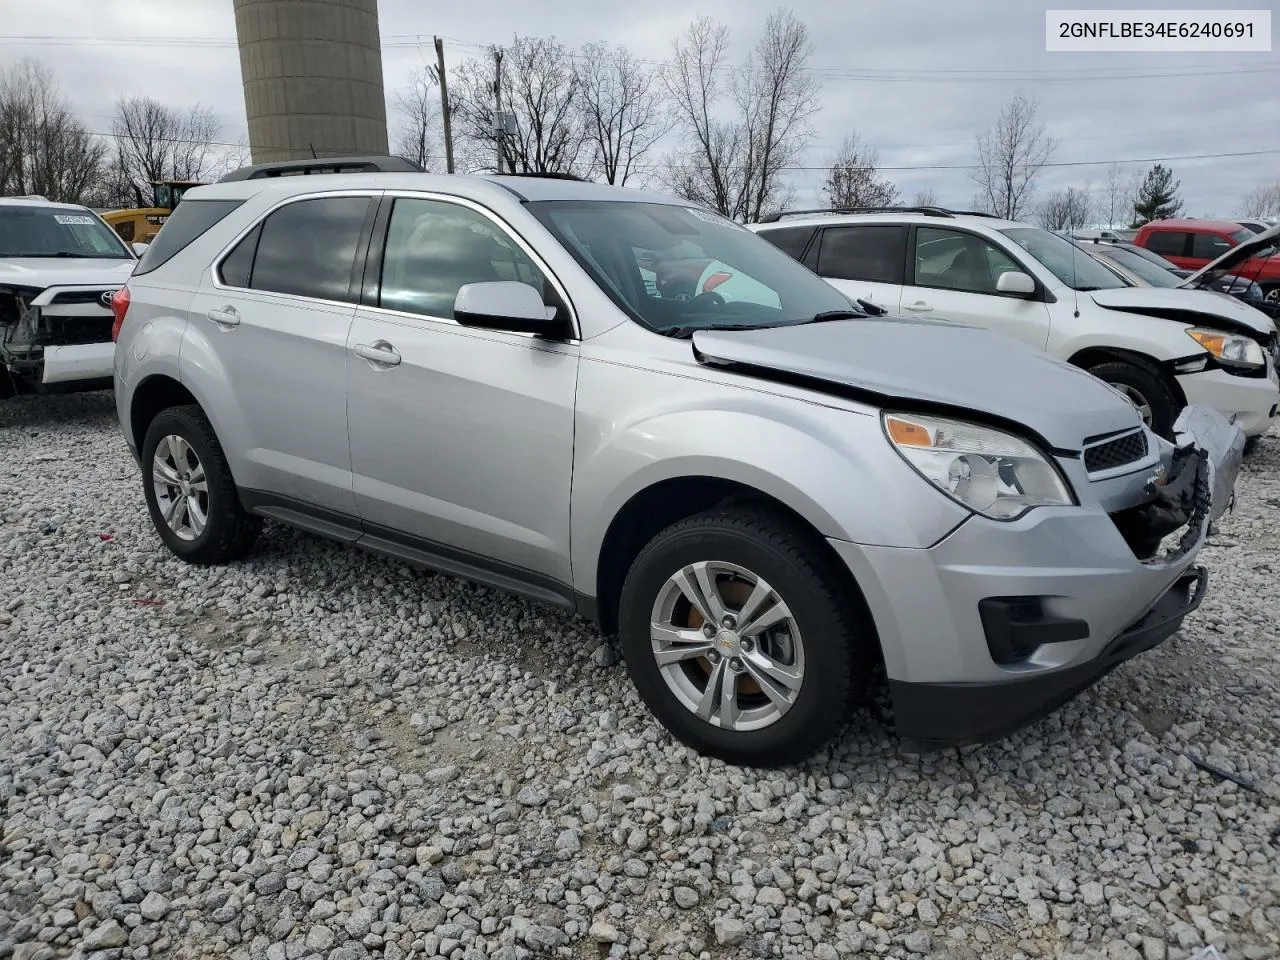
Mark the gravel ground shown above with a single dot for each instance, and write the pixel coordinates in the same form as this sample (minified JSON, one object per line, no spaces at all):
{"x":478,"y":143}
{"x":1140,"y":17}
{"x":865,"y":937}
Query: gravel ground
{"x":321,"y":754}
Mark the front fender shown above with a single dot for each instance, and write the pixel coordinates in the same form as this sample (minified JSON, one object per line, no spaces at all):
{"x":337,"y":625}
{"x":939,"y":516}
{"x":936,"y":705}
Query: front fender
{"x":1161,"y":340}
{"x":831,"y":465}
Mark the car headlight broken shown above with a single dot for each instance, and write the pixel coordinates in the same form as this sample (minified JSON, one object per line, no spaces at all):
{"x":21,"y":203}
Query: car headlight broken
{"x":989,"y":471}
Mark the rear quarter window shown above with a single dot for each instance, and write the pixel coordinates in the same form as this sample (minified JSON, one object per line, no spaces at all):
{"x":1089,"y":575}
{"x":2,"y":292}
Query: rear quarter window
{"x":189,"y":220}
{"x":790,"y":240}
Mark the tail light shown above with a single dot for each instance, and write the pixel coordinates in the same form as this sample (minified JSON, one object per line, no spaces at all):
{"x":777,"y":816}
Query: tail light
{"x":119,"y":307}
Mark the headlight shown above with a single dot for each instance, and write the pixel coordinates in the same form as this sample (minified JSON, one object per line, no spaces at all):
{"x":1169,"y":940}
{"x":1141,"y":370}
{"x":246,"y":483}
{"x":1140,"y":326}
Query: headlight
{"x":991,"y":472}
{"x":1229,"y":347}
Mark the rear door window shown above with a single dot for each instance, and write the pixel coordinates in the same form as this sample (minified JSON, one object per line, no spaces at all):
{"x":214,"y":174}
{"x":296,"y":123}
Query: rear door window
{"x":1167,"y":243}
{"x":189,"y":221}
{"x":877,"y":253}
{"x":308,"y":248}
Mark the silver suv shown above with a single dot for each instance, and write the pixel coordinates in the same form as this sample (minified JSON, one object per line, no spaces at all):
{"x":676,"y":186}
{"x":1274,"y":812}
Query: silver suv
{"x":628,"y":406}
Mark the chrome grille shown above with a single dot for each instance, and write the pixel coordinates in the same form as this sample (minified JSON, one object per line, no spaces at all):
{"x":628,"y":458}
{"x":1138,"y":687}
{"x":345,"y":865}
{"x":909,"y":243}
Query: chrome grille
{"x":1116,"y":452}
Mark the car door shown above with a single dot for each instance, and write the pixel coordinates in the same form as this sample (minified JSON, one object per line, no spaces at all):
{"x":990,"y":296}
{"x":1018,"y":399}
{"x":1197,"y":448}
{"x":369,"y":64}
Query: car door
{"x":865,"y":261}
{"x":275,"y":315}
{"x":461,"y":438}
{"x":953,"y":276}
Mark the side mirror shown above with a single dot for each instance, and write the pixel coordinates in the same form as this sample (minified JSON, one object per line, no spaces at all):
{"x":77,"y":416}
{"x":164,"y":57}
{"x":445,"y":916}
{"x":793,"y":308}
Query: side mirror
{"x":1016,"y":283}
{"x":138,"y":248}
{"x":505,"y":305}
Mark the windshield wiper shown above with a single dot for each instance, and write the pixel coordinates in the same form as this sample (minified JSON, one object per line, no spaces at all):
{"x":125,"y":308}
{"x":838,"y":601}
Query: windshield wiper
{"x":684,"y":333}
{"x":827,"y":315}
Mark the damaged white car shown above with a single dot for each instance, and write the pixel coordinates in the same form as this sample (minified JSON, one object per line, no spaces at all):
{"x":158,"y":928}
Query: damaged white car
{"x":60,"y":265}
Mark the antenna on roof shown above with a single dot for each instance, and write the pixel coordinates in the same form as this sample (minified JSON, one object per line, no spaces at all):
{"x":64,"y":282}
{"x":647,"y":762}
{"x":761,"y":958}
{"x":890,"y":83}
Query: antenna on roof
{"x":313,"y":150}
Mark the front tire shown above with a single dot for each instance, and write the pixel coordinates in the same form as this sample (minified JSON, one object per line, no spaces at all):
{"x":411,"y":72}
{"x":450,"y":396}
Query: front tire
{"x":741,"y":637}
{"x":1148,"y":391}
{"x":189,"y":490}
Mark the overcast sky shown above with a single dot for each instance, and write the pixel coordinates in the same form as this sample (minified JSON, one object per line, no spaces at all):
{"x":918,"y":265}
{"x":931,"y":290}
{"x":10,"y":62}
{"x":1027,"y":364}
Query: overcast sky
{"x":963,"y":60}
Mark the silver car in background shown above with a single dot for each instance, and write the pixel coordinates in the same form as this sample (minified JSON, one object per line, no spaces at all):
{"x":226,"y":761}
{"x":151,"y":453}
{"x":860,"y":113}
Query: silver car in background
{"x":628,"y":406}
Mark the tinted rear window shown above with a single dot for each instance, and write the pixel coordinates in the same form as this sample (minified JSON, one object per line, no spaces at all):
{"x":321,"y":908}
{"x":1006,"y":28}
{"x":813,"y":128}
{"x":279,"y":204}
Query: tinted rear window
{"x":790,"y":240}
{"x":308,"y":248}
{"x":1167,"y":243}
{"x":876,"y":253}
{"x":189,"y":220}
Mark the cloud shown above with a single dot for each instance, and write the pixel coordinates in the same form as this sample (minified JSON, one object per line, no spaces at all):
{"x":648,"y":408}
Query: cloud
{"x":916,"y":78}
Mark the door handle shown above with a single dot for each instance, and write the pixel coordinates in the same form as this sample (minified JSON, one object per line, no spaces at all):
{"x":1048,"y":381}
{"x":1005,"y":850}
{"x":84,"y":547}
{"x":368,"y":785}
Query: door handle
{"x":226,"y":317}
{"x":918,"y":307}
{"x":379,"y":352}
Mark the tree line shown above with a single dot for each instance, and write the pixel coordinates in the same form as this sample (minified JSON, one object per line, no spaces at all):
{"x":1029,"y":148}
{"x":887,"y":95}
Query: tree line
{"x":718,"y":129}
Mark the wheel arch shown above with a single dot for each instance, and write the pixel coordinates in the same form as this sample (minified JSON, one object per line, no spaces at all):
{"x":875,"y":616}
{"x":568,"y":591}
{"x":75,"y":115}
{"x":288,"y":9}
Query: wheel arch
{"x":1093,"y":356}
{"x":657,"y":506}
{"x":152,"y":396}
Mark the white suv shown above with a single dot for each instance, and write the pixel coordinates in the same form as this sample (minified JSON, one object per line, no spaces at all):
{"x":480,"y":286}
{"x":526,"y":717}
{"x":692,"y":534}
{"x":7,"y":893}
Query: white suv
{"x":60,"y":264}
{"x":1162,"y":348}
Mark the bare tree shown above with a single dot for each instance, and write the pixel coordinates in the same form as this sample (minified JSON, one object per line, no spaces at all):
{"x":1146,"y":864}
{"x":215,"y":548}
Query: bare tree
{"x":1262,"y":201}
{"x":1067,"y":209}
{"x":854,"y":179}
{"x":1116,"y":204}
{"x":925,"y":198}
{"x":622,"y":111}
{"x":737,"y":166}
{"x":157,"y":142}
{"x":1010,"y":156}
{"x":418,"y":110}
{"x":540,"y":87}
{"x":44,"y":149}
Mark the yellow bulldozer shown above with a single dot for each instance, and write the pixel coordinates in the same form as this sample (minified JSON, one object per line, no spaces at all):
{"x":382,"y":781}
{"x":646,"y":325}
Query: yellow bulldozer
{"x":141,"y":225}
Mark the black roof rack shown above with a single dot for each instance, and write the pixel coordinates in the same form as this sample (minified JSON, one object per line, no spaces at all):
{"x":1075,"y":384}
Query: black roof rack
{"x":293,"y":168}
{"x":546,"y":175}
{"x":927,"y":211}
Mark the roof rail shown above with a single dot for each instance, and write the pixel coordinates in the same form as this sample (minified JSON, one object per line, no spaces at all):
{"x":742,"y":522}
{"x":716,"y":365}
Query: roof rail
{"x":927,"y":211}
{"x":292,"y":168}
{"x":28,"y":196}
{"x":547,"y":175}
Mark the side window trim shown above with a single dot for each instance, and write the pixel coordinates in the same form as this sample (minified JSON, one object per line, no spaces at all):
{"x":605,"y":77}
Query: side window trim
{"x":258,"y":221}
{"x":377,"y":256}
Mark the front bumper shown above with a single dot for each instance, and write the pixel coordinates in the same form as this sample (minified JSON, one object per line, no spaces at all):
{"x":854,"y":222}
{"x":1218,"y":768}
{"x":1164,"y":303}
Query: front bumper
{"x":1001,"y":622}
{"x":1249,"y":402}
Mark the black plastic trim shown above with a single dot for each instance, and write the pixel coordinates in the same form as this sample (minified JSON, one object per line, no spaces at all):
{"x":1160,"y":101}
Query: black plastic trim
{"x":953,"y":714}
{"x":416,"y":551}
{"x":1018,"y":626}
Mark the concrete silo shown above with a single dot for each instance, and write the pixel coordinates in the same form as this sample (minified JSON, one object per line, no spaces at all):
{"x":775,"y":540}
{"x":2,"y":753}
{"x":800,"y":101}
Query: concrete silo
{"x":312,"y":73}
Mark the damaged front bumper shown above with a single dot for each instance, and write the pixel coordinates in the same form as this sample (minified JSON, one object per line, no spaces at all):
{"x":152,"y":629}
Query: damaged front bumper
{"x":60,"y":339}
{"x":1002,"y":622}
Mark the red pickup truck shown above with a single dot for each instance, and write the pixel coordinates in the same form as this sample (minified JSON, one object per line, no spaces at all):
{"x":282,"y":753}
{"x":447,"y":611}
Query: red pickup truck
{"x":1194,"y":244}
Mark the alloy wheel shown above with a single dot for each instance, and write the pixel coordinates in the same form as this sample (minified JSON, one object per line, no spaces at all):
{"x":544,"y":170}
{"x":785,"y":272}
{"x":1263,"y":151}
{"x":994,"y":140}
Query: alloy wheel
{"x":181,"y":488}
{"x":1135,"y":397}
{"x":727,"y":645}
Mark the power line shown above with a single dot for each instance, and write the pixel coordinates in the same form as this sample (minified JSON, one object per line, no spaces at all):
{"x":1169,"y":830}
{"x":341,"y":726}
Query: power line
{"x":823,"y":167}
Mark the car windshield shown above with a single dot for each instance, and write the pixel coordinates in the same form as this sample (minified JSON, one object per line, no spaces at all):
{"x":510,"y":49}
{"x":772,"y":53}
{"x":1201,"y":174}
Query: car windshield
{"x":1142,"y":268}
{"x":677,"y":269}
{"x":1064,"y":259}
{"x":57,"y":232}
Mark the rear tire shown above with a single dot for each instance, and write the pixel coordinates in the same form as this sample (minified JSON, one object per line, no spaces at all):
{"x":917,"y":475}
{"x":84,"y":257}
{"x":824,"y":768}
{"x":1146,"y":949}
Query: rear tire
{"x":1145,"y":388}
{"x":189,"y":490}
{"x":819,"y":645}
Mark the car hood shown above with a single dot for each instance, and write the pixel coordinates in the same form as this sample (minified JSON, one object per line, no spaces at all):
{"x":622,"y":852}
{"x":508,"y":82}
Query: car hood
{"x":1265,"y":244}
{"x":1198,"y":307}
{"x":52,"y":271}
{"x":955,"y":369}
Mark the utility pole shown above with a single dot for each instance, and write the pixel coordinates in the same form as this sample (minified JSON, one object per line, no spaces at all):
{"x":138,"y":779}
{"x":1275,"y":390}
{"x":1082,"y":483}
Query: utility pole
{"x":499,"y":127}
{"x":444,"y":106}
